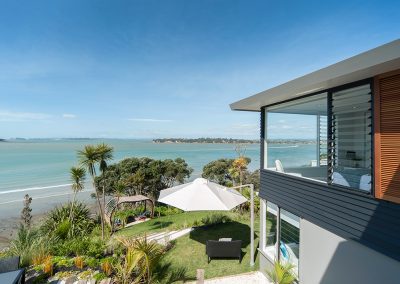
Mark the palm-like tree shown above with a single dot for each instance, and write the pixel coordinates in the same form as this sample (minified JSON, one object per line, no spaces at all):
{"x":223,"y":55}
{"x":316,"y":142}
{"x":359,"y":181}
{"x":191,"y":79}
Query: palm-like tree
{"x":88,"y":158}
{"x":105,"y":154}
{"x":78,"y":176}
{"x":119,"y":190}
{"x":143,"y":255}
{"x":282,"y":273}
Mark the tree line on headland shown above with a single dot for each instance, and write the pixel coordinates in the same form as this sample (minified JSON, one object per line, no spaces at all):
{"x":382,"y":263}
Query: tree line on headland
{"x":234,"y":141}
{"x":206,"y":140}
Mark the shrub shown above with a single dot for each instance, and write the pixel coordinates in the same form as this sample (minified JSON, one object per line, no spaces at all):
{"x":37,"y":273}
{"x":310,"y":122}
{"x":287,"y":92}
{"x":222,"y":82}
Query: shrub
{"x":40,"y":253}
{"x":92,"y":262}
{"x":196,"y":223}
{"x":64,"y":274}
{"x":282,"y":273}
{"x":61,"y":261}
{"x":95,"y":247}
{"x":48,"y":265}
{"x":79,"y":263}
{"x":38,"y":259}
{"x":25,"y":244}
{"x":57,"y":221}
{"x":141,"y":260}
{"x":85,"y":275}
{"x":63,"y":229}
{"x":72,"y":247}
{"x":89,"y":246}
{"x":215,"y":219}
{"x":99,"y":276}
{"x":166,"y":210}
{"x":106,"y":267}
{"x":246,"y":206}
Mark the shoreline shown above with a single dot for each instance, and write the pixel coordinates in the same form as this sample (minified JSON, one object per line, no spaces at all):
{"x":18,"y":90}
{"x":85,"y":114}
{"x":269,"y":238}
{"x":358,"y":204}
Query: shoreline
{"x":41,"y":204}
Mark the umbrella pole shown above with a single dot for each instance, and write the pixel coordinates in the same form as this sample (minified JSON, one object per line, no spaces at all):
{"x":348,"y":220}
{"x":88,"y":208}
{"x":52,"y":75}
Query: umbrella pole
{"x":251,"y":186}
{"x":252,"y":225}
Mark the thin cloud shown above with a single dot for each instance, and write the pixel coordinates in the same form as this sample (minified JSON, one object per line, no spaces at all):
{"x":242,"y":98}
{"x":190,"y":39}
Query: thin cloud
{"x":11,"y":116}
{"x":149,"y":120}
{"x":68,"y":115}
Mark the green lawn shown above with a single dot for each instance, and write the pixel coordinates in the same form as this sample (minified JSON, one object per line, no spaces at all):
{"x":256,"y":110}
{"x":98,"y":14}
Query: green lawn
{"x":166,"y":223}
{"x":188,"y":251}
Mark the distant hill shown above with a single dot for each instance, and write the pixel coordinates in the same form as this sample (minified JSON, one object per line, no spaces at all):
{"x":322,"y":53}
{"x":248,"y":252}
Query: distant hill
{"x":206,"y":140}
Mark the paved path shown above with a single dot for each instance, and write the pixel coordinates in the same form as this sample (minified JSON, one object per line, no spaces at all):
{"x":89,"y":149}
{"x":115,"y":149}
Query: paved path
{"x":164,"y":237}
{"x":246,"y":278}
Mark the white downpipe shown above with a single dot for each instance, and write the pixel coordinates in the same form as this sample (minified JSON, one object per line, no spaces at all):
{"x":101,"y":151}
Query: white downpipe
{"x":263,"y":214}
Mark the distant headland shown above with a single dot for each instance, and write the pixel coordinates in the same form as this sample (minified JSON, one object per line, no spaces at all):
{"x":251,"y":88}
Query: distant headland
{"x":233,"y":141}
{"x":206,"y":140}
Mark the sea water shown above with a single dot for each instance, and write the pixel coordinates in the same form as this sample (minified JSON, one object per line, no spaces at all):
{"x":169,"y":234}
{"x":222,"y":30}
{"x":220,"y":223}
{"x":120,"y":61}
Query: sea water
{"x":40,"y":167}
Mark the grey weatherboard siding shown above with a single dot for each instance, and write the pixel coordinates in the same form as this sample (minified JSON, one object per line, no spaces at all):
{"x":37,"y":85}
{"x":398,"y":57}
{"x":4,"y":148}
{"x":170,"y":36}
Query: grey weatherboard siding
{"x":351,"y":215}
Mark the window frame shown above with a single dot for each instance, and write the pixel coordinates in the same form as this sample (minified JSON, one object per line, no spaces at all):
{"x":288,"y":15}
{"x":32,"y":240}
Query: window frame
{"x":329,"y":92}
{"x":277,"y":253}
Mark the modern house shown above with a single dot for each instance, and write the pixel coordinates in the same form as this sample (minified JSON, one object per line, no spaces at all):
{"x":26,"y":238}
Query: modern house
{"x":330,"y":170}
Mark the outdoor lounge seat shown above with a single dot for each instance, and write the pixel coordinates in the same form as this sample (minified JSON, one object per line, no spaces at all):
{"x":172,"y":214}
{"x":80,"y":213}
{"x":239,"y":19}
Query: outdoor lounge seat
{"x":9,"y":264}
{"x":224,"y":249}
{"x":10,"y":271}
{"x":143,"y":216}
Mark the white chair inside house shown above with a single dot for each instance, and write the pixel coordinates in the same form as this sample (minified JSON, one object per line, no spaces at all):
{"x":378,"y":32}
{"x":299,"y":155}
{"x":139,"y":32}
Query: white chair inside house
{"x":365,"y":182}
{"x":279,"y":168}
{"x":339,"y":179}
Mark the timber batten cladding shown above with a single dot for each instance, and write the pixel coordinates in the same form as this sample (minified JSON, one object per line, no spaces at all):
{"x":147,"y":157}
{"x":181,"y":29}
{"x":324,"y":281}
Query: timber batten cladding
{"x":387,"y":136}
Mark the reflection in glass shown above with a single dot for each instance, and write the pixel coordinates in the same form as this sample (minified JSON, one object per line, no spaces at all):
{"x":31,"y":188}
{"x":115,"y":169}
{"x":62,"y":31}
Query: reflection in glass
{"x":296,"y":137}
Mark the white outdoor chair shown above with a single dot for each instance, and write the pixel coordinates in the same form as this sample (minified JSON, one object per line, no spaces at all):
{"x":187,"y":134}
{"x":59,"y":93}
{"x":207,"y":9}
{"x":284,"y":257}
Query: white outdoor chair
{"x":279,"y":168}
{"x":365,"y":183}
{"x":339,"y":179}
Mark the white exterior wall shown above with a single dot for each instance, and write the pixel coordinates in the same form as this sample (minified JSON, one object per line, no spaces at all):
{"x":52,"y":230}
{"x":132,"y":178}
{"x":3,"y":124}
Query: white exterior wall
{"x":329,"y":259}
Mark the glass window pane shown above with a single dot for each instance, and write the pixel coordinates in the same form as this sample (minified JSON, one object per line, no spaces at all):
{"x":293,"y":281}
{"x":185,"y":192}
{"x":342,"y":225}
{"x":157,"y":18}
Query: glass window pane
{"x":296,"y":137}
{"x":351,"y":138}
{"x":270,"y":234}
{"x":290,"y":239}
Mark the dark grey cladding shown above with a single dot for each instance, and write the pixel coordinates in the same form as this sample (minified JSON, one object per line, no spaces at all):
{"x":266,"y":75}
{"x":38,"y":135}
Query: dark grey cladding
{"x":345,"y":212}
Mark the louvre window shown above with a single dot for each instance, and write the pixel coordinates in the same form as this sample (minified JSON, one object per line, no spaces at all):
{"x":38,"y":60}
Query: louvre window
{"x":350,"y":142}
{"x":325,"y":137}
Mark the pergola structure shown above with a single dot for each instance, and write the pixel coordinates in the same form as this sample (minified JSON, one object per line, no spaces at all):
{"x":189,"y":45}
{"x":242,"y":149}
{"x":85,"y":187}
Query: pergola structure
{"x":114,"y":202}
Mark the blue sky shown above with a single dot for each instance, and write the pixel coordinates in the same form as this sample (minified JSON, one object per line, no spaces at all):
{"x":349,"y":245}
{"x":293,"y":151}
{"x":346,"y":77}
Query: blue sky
{"x":143,"y":69}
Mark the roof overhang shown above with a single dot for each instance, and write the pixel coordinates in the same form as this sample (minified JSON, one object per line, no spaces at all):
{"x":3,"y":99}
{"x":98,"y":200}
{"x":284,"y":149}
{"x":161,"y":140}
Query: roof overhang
{"x":376,"y":61}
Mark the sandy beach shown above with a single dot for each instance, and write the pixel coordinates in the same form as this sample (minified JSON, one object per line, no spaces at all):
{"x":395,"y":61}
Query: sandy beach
{"x":9,"y":227}
{"x":42,"y":201}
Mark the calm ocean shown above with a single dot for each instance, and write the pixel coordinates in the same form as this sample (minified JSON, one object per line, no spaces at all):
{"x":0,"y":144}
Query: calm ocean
{"x":41,"y":167}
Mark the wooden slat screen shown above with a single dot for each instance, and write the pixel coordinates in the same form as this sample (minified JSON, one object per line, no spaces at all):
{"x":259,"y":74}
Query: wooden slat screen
{"x":387,"y":137}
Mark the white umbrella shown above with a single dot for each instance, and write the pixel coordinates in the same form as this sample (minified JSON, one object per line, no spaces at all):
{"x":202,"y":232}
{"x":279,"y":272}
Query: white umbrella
{"x":201,"y":195}
{"x":204,"y":195}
